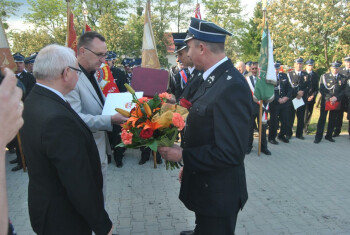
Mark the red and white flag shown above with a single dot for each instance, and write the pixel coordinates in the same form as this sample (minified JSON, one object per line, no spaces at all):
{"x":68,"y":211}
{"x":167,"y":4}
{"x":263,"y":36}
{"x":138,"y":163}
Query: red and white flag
{"x":197,"y":12}
{"x":72,"y":35}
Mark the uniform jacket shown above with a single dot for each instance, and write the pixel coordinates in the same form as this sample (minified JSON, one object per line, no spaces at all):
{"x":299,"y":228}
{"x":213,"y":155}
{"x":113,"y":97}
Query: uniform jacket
{"x":65,"y":180}
{"x":28,"y":81}
{"x":314,"y":81}
{"x":119,"y":78}
{"x":85,"y":101}
{"x":299,"y":83}
{"x":332,"y":86}
{"x":345,"y":72}
{"x":215,"y":142}
{"x":283,"y":88}
{"x":192,"y":85}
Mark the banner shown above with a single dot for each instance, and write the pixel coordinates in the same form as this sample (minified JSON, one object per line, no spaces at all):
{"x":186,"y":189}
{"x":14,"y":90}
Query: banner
{"x":106,"y":81}
{"x":72,"y":36}
{"x":197,"y":12}
{"x":6,"y":59}
{"x":149,"y":50}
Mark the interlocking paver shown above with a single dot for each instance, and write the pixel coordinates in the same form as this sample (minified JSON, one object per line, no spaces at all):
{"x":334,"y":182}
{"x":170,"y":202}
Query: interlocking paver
{"x":302,"y":188}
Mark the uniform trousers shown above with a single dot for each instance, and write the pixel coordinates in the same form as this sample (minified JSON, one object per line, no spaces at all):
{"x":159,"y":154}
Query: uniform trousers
{"x":322,"y":121}
{"x":251,"y":133}
{"x":308,"y":113}
{"x":278,"y":112}
{"x":300,"y":112}
{"x":209,"y":225}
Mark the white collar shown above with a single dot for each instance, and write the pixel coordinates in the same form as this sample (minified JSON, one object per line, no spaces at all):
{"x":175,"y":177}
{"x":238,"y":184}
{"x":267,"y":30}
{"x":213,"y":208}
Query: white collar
{"x":297,"y":72}
{"x":53,"y":90}
{"x":191,"y":69}
{"x":212,"y":68}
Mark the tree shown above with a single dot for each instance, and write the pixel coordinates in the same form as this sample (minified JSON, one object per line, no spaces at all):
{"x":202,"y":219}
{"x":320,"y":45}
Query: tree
{"x":182,"y":11}
{"x":315,"y":29}
{"x":27,"y":42}
{"x":251,"y":40}
{"x":7,"y":8}
{"x":226,"y":13}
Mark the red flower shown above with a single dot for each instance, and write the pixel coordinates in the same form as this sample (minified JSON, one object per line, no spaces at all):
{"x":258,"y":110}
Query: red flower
{"x":146,"y":133}
{"x":185,"y":103}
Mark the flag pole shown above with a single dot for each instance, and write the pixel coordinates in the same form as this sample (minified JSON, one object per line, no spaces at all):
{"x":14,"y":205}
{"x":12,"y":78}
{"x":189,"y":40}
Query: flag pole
{"x":68,"y":21}
{"x":261,"y":101}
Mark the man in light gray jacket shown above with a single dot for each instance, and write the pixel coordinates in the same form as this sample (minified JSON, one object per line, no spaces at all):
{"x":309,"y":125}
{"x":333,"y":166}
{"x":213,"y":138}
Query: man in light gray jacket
{"x":87,"y":98}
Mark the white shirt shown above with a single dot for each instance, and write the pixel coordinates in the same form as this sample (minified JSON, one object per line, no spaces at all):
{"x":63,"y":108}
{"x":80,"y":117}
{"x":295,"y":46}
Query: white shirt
{"x":211,"y":69}
{"x":54,"y":91}
{"x":191,"y":69}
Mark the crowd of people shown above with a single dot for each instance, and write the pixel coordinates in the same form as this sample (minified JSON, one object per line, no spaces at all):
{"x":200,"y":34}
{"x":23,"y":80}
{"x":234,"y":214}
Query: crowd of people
{"x":68,"y":143}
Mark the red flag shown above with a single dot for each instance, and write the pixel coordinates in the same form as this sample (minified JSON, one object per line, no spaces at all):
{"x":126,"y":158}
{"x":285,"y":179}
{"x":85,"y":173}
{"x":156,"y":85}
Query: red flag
{"x":87,"y":28}
{"x":106,"y":80}
{"x":72,"y":36}
{"x":197,"y":12}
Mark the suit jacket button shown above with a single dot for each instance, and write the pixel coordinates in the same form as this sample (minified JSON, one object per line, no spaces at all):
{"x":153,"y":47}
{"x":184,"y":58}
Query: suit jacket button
{"x":193,"y":173}
{"x":206,"y":185}
{"x":197,"y":109}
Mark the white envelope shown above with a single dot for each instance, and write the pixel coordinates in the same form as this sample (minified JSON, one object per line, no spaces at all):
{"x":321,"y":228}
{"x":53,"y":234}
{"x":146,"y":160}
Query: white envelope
{"x":297,"y":103}
{"x":119,"y":100}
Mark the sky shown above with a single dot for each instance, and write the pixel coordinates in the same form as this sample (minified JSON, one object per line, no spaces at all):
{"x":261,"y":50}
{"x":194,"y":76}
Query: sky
{"x":17,"y":22}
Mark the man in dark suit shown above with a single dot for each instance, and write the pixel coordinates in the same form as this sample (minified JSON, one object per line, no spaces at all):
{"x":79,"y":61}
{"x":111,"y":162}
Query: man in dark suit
{"x":213,"y":181}
{"x":300,"y":83}
{"x":256,"y":114}
{"x":65,"y":180}
{"x":332,"y":89}
{"x":312,"y":93}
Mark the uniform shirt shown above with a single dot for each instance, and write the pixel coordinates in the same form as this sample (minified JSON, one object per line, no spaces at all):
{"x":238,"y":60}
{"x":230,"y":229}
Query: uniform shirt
{"x":299,"y":81}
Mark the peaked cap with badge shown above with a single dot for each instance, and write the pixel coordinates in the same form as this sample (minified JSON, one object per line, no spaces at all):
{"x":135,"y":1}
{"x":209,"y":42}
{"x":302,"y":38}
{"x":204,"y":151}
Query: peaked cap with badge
{"x":18,"y":57}
{"x":206,"y":31}
{"x":179,"y":41}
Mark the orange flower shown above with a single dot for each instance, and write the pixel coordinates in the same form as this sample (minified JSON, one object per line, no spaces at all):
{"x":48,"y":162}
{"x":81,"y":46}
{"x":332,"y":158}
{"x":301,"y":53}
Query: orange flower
{"x":164,"y":95}
{"x":152,"y":125}
{"x":143,"y":100}
{"x":178,"y":121}
{"x":126,"y":137}
{"x":132,"y":120}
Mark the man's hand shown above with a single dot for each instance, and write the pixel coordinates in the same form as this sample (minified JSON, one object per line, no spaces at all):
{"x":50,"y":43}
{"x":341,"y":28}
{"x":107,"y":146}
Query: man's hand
{"x":111,"y":232}
{"x":310,"y":98}
{"x":283,"y":100}
{"x":180,"y":174}
{"x":118,"y":119}
{"x":300,"y":94}
{"x":173,"y":154}
{"x":333,"y":99}
{"x":11,"y":108}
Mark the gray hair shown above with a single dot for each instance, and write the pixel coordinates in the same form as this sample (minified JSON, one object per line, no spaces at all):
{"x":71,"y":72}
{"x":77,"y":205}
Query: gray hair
{"x":52,"y":60}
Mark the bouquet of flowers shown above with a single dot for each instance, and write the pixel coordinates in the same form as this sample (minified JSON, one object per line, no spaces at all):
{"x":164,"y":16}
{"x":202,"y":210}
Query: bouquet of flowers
{"x":152,"y":123}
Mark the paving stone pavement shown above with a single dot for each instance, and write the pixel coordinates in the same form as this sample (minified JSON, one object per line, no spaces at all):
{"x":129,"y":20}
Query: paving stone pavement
{"x":302,"y":188}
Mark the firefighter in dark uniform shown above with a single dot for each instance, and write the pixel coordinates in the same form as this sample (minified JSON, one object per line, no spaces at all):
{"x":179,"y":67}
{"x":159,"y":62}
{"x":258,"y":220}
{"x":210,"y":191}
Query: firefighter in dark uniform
{"x":312,"y":93}
{"x":28,"y":81}
{"x":332,"y":89}
{"x":213,"y":181}
{"x":300,"y":83}
{"x":279,"y":107}
{"x":185,"y":90}
{"x":347,"y":93}
{"x":118,"y":74}
{"x":344,"y":102}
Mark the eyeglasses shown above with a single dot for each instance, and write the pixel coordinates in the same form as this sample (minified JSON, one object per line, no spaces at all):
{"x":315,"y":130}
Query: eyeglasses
{"x":100,"y":55}
{"x":77,"y":70}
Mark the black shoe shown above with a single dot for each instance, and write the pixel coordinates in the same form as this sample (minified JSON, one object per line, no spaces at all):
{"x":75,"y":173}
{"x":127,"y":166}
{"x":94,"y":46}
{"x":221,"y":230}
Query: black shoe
{"x":266,"y":152}
{"x":187,"y":232}
{"x":288,"y":137}
{"x":316,"y":141}
{"x":109,"y":158}
{"x":143,"y":161}
{"x":119,"y":164}
{"x":300,"y":137}
{"x":283,"y":139}
{"x":159,"y":161}
{"x":17,"y":168}
{"x":335,"y":135}
{"x":273,"y":142}
{"x":248,"y":151}
{"x":330,"y":139}
{"x":13,"y":161}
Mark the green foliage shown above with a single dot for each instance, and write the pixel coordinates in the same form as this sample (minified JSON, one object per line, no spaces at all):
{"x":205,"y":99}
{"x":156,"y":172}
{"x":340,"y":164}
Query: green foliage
{"x":315,"y":29}
{"x":251,"y":40}
{"x":7,"y":8}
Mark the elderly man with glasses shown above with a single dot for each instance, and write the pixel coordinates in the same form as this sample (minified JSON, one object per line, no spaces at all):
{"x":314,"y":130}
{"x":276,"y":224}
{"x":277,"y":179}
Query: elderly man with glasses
{"x":65,"y":179}
{"x":87,"y":98}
